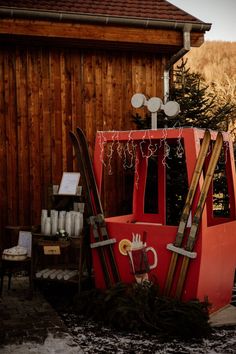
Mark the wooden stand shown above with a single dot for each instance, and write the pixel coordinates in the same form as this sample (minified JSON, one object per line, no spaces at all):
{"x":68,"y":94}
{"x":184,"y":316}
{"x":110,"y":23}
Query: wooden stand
{"x":58,"y":260}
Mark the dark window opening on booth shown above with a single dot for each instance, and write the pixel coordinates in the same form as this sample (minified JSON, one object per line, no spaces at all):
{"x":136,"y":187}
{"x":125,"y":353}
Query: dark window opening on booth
{"x":176,"y":183}
{"x":118,"y":178}
{"x":221,"y":203}
{"x":151,"y":189}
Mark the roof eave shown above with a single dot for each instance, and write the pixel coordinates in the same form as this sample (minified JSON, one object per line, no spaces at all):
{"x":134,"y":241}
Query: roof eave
{"x":102,"y":19}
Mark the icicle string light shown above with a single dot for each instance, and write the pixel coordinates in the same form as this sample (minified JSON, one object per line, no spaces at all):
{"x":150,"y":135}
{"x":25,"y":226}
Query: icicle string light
{"x":166,"y":154}
{"x":110,"y":154}
{"x":152,"y":148}
{"x":136,"y":174}
{"x":163,"y":140}
{"x":102,"y":142}
{"x":143,"y":141}
{"x":129,"y":152}
{"x":164,"y":137}
{"x":180,"y":149}
{"x":119,"y":147}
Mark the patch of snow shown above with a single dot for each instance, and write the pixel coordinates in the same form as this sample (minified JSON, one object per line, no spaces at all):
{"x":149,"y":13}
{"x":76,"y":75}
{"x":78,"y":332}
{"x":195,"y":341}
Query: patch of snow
{"x":51,"y":345}
{"x":88,"y":338}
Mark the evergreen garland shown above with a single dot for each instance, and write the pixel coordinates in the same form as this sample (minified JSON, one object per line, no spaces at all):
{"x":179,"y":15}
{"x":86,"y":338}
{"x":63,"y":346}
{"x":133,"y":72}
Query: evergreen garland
{"x":139,"y":307}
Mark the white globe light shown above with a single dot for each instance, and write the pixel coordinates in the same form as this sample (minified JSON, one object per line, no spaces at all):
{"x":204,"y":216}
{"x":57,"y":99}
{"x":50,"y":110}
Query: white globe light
{"x":171,"y":109}
{"x":154,"y":104}
{"x":138,"y":100}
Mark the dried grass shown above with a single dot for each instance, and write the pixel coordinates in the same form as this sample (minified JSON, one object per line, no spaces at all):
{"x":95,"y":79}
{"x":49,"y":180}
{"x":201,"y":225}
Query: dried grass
{"x":216,"y":62}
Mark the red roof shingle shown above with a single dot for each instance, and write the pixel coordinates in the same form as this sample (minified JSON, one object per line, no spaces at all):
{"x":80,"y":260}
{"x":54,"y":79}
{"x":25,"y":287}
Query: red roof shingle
{"x":159,"y":10}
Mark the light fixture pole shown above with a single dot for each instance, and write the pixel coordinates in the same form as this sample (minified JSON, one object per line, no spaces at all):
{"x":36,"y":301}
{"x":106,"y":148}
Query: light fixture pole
{"x":154,"y":105}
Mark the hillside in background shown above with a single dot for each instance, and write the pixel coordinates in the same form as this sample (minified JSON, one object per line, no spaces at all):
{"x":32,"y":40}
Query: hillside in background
{"x":216,"y":62}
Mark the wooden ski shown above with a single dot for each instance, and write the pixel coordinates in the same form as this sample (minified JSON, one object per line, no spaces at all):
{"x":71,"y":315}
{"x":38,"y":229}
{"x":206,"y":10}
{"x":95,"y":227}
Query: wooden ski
{"x":197,"y":216}
{"x":98,"y":214}
{"x":186,"y":211}
{"x":88,"y":201}
{"x":102,"y":243}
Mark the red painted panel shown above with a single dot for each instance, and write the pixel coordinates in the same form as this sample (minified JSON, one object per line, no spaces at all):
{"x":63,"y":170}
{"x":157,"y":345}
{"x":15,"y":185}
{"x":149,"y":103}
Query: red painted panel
{"x":211,"y":273}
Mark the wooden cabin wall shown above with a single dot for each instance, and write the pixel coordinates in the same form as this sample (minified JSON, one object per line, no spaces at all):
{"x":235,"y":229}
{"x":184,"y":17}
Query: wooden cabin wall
{"x":44,"y":93}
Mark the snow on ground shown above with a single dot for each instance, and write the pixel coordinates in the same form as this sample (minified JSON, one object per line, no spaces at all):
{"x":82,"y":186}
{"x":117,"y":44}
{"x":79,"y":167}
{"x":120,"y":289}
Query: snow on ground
{"x":92,"y":338}
{"x":51,"y":345}
{"x":85,"y":336}
{"x":88,"y":337}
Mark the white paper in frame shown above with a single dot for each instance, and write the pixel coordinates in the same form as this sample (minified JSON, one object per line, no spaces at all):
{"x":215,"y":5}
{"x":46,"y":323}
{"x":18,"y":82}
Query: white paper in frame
{"x":69,"y":183}
{"x":25,"y":240}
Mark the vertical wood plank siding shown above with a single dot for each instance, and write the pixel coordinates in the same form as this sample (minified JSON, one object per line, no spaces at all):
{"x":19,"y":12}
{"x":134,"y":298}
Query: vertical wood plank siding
{"x":44,"y":93}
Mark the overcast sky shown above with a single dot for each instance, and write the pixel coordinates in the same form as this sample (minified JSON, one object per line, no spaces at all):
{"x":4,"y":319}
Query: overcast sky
{"x":221,"y":13}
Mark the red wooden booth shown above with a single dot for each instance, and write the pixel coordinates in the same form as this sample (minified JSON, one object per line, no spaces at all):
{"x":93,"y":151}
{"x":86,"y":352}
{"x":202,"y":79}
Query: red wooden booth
{"x":161,"y":164}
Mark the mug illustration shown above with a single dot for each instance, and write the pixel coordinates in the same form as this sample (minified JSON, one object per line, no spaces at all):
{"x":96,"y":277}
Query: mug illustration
{"x":137,"y":252}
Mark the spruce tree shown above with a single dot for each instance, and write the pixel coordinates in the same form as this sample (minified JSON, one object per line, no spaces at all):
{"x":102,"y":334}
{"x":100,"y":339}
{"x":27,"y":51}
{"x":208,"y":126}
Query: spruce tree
{"x":199,"y":106}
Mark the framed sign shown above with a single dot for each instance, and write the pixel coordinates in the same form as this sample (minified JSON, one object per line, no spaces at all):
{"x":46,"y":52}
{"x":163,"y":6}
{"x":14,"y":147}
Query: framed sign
{"x":69,"y":183}
{"x":25,"y":240}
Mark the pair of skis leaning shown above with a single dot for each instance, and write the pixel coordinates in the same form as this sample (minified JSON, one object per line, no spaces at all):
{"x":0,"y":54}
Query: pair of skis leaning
{"x":102,"y":243}
{"x":177,"y":248}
